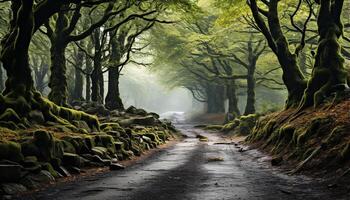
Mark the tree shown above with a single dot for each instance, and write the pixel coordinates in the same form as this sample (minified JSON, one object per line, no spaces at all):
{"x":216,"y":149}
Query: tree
{"x":329,"y":74}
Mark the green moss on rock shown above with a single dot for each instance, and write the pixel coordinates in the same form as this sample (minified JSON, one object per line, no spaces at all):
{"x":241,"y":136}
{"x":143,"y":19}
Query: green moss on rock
{"x":11,"y":151}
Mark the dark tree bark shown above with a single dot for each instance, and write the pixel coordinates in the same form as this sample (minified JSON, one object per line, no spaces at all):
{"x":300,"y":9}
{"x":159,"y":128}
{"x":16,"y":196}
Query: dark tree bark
{"x":215,"y":99}
{"x":232,"y":99}
{"x":113,"y":100}
{"x":79,"y":83}
{"x":292,"y":76}
{"x":88,"y":70}
{"x":328,"y":75}
{"x":58,"y":80}
{"x":14,"y":53}
{"x":252,"y":59}
{"x":2,"y":85}
{"x":40,"y":73}
{"x":96,"y":81}
{"x":20,"y":94}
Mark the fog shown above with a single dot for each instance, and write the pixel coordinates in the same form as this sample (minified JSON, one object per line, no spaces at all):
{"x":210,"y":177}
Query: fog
{"x":142,"y":88}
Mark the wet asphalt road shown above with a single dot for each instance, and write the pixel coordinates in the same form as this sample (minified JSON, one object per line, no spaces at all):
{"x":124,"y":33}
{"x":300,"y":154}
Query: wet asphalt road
{"x":182,"y":172}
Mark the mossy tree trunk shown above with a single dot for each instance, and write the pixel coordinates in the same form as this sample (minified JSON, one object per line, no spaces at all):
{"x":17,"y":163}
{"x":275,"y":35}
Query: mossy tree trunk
{"x":58,"y":38}
{"x":58,"y":80}
{"x":14,"y":51}
{"x":292,"y":76}
{"x":88,"y":70}
{"x":252,"y":59}
{"x":20,"y":94}
{"x":96,"y":81}
{"x":2,"y":85}
{"x":303,"y":62}
{"x":79,"y":81}
{"x":40,"y":73}
{"x":113,"y":100}
{"x":215,"y":99}
{"x":328,"y":75}
{"x":232,"y":99}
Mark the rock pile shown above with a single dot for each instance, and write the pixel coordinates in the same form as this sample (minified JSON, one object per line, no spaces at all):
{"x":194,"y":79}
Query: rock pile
{"x":47,"y":152}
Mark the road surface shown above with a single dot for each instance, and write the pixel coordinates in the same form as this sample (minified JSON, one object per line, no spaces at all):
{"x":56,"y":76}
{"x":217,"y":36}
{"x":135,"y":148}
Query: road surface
{"x":183,"y":172}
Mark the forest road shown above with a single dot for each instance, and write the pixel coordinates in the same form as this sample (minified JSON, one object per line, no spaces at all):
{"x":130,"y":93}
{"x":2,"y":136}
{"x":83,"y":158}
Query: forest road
{"x":183,"y":172}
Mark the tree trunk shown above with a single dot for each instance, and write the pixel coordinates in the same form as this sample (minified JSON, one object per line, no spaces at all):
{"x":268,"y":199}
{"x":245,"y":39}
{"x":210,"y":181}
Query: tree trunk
{"x":113,"y":100}
{"x":252,"y":59}
{"x":88,"y":78}
{"x":14,"y":51}
{"x":303,"y":62}
{"x":58,"y":80}
{"x":215,"y":102}
{"x":328,"y":75}
{"x":78,"y":87}
{"x":97,"y":71}
{"x":232,"y":100}
{"x":250,"y":106}
{"x":292,"y":76}
{"x":2,"y":85}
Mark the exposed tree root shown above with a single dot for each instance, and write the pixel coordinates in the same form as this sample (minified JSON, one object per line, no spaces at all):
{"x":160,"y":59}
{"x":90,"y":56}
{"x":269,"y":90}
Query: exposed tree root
{"x":17,"y":109}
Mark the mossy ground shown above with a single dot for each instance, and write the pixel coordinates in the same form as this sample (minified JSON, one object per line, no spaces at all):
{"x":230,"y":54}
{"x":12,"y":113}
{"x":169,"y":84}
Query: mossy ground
{"x":74,"y":139}
{"x":316,"y":139}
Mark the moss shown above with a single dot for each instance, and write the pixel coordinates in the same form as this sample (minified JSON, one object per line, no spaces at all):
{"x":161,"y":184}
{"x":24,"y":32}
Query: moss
{"x":111,"y":127}
{"x":286,"y":134}
{"x":118,"y":146}
{"x":78,"y":143}
{"x":231,"y":125}
{"x":106,"y":141}
{"x":30,"y":149}
{"x":163,"y":135}
{"x":10,"y":125}
{"x":213,"y":127}
{"x":68,"y":147}
{"x":43,"y":138}
{"x":89,"y":141}
{"x":11,"y":151}
{"x":345,"y":151}
{"x":18,"y":104}
{"x":336,"y":136}
{"x":48,"y":167}
{"x":10,"y":115}
{"x":247,"y":124}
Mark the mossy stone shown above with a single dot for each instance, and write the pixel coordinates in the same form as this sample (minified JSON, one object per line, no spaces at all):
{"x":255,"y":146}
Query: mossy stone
{"x":11,"y":151}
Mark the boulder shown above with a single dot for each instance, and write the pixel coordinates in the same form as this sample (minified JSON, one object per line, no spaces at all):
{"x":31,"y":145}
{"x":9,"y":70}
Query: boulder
{"x":42,"y":177}
{"x":36,"y":116}
{"x":78,"y":143}
{"x":116,"y":166}
{"x":101,"y":152}
{"x":146,"y":121}
{"x":31,"y":164}
{"x":10,"y":172}
{"x":131,"y":110}
{"x":45,"y":143}
{"x":48,"y":167}
{"x":10,"y":115}
{"x":10,"y":151}
{"x":82,"y":125}
{"x":119,"y":146}
{"x":13,"y":188}
{"x":63,"y":171}
{"x":70,"y":159}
